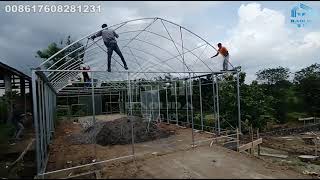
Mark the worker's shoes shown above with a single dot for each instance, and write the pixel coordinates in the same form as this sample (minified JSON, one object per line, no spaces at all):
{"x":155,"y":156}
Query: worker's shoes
{"x":109,"y":70}
{"x":126,"y":67}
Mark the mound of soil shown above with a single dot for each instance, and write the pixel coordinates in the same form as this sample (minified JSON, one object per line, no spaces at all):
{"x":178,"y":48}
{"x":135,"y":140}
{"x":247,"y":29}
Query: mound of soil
{"x":119,"y":132}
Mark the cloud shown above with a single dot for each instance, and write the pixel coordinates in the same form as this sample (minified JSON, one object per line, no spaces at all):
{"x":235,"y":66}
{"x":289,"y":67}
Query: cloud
{"x":22,"y":34}
{"x":261,"y":39}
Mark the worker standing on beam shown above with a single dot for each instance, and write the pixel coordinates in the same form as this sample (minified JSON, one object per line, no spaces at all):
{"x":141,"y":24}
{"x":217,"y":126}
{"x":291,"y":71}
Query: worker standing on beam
{"x":85,"y":75}
{"x":224,"y":52}
{"x":109,"y":38}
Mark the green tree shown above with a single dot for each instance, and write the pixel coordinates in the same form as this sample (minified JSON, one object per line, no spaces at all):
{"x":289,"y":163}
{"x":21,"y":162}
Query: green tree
{"x":273,"y":75}
{"x":255,"y":105}
{"x":274,"y":82}
{"x":308,"y":88}
{"x":67,"y":55}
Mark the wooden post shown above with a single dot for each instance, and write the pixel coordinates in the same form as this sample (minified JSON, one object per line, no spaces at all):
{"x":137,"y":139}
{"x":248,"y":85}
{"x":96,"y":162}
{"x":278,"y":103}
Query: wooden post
{"x":258,"y":136}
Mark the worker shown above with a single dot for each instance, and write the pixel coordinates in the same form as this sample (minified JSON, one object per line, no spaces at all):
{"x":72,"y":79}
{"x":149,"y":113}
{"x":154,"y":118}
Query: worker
{"x":224,"y":52}
{"x":109,"y":38}
{"x":85,"y":75}
{"x":17,"y":120}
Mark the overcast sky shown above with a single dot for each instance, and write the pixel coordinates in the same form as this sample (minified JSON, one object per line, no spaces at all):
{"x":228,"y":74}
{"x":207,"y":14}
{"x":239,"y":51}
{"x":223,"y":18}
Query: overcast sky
{"x":257,"y":34}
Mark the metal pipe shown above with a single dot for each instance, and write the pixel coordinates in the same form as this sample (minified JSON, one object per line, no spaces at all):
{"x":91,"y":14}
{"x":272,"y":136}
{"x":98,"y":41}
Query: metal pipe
{"x":151,"y":72}
{"x":187,"y":102}
{"x":159,"y":103}
{"x":190,"y":82}
{"x":167,"y":105}
{"x":85,"y":165}
{"x":200,"y":94}
{"x":218,"y":111}
{"x":130,"y":117}
{"x":43,"y":150}
{"x":214,"y":102}
{"x":93,"y":105}
{"x":152,"y":110}
{"x":238,"y":99}
{"x":35,"y":118}
{"x":176,"y":104}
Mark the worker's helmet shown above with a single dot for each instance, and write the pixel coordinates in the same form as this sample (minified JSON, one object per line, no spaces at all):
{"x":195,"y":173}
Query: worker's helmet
{"x":104,"y":25}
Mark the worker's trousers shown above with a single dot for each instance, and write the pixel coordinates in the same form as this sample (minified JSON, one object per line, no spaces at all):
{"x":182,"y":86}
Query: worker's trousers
{"x":225,"y":63}
{"x":19,"y":130}
{"x":114,"y":47}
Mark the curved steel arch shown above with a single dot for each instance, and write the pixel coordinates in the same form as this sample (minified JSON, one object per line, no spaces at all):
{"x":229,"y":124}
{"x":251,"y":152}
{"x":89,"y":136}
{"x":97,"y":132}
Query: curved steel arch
{"x":183,"y":55}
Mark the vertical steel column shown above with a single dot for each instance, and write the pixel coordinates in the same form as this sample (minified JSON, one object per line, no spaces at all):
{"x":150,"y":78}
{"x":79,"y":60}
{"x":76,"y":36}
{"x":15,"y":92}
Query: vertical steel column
{"x":175,"y":92}
{"x":218,"y":113}
{"x":140,"y":99}
{"x":44,"y":144}
{"x":167,"y":105}
{"x":187,"y":103}
{"x":130,"y":117}
{"x":125,"y":93}
{"x":200,"y":94}
{"x":159,"y":103}
{"x":146,"y":108}
{"x":122,"y":101}
{"x":35,"y":118}
{"x":93,"y":104}
{"x":152,"y":103}
{"x":214,"y":103}
{"x":136,"y":88}
{"x":238,"y":98}
{"x":110,"y":102}
{"x":55,"y":106}
{"x":119,"y":98}
{"x":47,"y":112}
{"x":191,"y":109}
{"x":51,"y":113}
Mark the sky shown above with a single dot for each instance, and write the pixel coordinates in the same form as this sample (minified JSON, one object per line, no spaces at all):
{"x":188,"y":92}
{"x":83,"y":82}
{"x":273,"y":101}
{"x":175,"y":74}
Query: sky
{"x":257,"y":34}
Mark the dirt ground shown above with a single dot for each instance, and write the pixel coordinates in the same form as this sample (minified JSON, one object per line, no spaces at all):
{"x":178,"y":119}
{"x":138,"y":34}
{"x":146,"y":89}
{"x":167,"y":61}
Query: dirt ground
{"x":292,"y":144}
{"x":64,"y":153}
{"x":10,"y":151}
{"x":201,"y":162}
{"x":292,"y":147}
{"x":170,"y":157}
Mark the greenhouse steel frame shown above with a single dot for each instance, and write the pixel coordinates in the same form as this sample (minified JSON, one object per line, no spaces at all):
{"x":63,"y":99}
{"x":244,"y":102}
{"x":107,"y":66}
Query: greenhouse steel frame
{"x":52,"y":79}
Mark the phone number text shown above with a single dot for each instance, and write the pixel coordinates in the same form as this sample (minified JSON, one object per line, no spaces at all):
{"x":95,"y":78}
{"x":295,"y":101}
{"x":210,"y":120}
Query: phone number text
{"x":52,"y":8}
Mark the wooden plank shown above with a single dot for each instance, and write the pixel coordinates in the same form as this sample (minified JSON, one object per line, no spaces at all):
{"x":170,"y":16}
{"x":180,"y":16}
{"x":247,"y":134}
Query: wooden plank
{"x":23,"y":153}
{"x":274,"y":155}
{"x":250,"y":145}
{"x":306,"y":119}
